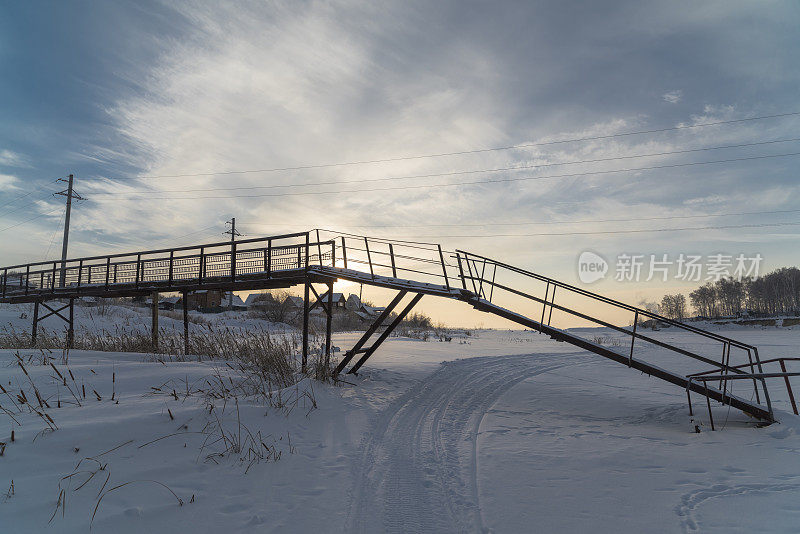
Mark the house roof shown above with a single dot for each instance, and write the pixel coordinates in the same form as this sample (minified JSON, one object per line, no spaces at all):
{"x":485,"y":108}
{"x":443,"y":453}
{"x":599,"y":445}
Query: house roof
{"x":252,"y":298}
{"x":170,"y":300}
{"x":295,"y":300}
{"x":337,"y":297}
{"x":236,"y":301}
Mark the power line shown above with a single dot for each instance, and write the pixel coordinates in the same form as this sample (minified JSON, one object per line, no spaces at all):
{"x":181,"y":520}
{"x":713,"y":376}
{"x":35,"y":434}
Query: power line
{"x":475,"y":151}
{"x":39,"y":188}
{"x":638,"y":231}
{"x":170,"y":239}
{"x":26,"y":194}
{"x":27,"y":206}
{"x":457,"y":184}
{"x":53,"y":237}
{"x":455,"y":173}
{"x":584,"y":221}
{"x":31,"y":219}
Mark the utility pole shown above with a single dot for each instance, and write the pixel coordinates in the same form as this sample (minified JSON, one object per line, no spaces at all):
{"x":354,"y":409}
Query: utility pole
{"x":70,"y":194}
{"x":234,"y":234}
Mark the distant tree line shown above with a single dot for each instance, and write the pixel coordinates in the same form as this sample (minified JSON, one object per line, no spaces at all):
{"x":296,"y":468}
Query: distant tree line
{"x":674,"y":307}
{"x":775,"y":293}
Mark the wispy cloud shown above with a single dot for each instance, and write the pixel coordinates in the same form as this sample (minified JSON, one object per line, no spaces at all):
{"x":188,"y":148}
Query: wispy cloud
{"x":673,"y":97}
{"x":12,"y":159}
{"x":8,"y":182}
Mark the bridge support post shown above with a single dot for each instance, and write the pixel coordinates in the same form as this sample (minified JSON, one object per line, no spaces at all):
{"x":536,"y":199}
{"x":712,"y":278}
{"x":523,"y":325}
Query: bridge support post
{"x":71,"y":328}
{"x":304,"y":361}
{"x":328,"y":324}
{"x":185,"y":324}
{"x":52,"y":310}
{"x":154,"y":328}
{"x":35,"y":322}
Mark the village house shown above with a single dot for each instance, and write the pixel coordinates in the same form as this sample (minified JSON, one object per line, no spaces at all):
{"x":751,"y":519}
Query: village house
{"x":339,"y":302}
{"x":259,"y":301}
{"x":205,"y":300}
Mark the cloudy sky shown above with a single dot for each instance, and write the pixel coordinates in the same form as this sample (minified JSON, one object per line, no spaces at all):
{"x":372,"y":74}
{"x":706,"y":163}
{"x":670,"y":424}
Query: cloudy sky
{"x":126,"y":95}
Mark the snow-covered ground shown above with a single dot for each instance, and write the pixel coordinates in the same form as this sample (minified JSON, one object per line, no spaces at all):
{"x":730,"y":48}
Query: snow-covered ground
{"x":504,"y":431}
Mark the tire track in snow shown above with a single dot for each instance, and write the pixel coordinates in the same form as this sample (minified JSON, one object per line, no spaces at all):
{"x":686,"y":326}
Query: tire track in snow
{"x":419,"y":464}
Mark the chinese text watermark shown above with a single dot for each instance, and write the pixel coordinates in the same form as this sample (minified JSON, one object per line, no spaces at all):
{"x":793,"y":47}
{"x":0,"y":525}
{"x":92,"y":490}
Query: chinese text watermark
{"x":662,"y":267}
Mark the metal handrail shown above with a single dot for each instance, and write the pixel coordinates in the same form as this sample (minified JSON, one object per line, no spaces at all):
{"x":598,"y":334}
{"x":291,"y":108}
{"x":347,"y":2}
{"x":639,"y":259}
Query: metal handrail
{"x":607,"y":300}
{"x":476,"y":274}
{"x":47,"y":277}
{"x":161,"y":251}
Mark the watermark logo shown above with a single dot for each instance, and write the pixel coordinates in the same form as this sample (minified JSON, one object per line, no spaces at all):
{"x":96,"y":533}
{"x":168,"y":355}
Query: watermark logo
{"x":591,"y":267}
{"x":685,"y":267}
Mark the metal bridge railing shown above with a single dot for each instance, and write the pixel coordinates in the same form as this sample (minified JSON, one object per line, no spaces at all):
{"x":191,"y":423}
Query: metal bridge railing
{"x":421,"y":262}
{"x":198,"y":264}
{"x":485,"y":278}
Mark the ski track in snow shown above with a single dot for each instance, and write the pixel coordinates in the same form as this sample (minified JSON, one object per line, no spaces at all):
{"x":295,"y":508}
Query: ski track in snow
{"x":690,"y":501}
{"x":419,"y":463}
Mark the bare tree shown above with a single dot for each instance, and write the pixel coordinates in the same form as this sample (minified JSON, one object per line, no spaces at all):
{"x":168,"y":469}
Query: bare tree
{"x":274,"y":306}
{"x":674,"y":307}
{"x":704,"y":300}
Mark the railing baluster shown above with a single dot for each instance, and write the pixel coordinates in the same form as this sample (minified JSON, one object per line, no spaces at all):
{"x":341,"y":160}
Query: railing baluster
{"x":319,"y":248}
{"x":344,"y":253}
{"x":269,"y":258}
{"x":391,"y":256}
{"x":108,"y":270}
{"x":308,"y":246}
{"x":201,"y":266}
{"x":544,"y":303}
{"x":171,"y":267}
{"x":53,"y":278}
{"x":138,"y":268}
{"x":483,"y":276}
{"x":788,"y":386}
{"x":633,"y":337}
{"x":369,"y":258}
{"x":461,"y":271}
{"x":444,"y":268}
{"x":27,"y":278}
{"x":80,"y":272}
{"x":722,"y":363}
{"x":233,"y":261}
{"x":752,"y":370}
{"x":471,"y":278}
{"x":5,"y":281}
{"x":491,"y":288}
